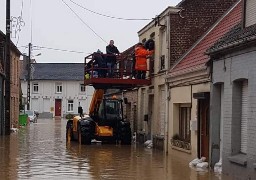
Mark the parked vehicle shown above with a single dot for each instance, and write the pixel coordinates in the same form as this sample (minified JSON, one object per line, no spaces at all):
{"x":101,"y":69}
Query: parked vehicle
{"x":31,"y":115}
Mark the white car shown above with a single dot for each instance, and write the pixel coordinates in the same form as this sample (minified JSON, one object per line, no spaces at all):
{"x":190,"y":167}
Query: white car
{"x":31,"y":115}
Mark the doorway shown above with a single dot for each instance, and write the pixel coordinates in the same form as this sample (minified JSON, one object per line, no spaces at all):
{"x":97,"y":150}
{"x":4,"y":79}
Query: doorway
{"x":203,"y":124}
{"x":57,"y":107}
{"x":204,"y":127}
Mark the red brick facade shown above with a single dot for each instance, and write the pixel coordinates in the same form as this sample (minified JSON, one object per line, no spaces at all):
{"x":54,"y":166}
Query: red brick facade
{"x":194,"y":20}
{"x":14,"y":80}
{"x":196,"y":59}
{"x":15,"y":87}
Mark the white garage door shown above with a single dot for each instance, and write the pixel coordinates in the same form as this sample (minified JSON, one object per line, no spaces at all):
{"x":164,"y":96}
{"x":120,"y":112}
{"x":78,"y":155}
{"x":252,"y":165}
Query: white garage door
{"x":35,"y":104}
{"x":47,"y":105}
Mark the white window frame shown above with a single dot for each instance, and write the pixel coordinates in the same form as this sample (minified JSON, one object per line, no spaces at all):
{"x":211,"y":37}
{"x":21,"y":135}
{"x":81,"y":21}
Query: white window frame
{"x":33,"y":86}
{"x":58,"y":88}
{"x":70,"y":106}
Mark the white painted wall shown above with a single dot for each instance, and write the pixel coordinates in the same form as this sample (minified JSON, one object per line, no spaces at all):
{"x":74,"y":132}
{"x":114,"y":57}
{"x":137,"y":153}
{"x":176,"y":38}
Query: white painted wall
{"x":44,"y":100}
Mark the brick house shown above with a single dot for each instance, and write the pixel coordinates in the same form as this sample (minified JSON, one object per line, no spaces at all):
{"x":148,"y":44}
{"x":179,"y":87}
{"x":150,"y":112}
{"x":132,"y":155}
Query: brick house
{"x":189,"y":86}
{"x":233,"y":97}
{"x":15,"y":83}
{"x":178,"y":28}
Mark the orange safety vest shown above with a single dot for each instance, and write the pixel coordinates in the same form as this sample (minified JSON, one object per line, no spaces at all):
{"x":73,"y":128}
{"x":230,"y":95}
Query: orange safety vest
{"x":141,"y":58}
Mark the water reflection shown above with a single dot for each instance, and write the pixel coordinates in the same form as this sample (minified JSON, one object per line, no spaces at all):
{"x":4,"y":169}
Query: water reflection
{"x":39,"y":151}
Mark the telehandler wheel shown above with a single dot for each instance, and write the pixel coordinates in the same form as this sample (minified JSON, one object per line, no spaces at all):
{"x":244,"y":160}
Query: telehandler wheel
{"x":126,"y":136}
{"x":84,"y":136}
{"x":69,"y":133}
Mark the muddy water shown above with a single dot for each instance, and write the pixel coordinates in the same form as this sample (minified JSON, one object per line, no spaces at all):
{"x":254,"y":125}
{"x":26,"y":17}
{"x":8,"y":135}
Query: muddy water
{"x":39,"y":151}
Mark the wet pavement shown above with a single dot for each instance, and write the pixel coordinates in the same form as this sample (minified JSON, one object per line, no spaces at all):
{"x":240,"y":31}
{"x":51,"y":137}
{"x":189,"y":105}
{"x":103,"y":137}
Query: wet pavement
{"x":40,"y":151}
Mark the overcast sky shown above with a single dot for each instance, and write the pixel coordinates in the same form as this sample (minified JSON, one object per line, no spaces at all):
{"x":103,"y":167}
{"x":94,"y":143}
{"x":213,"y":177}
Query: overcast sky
{"x":54,"y":25}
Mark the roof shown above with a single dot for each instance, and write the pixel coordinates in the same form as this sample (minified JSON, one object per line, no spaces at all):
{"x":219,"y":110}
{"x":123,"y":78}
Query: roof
{"x":12,"y":44}
{"x":57,"y":71}
{"x":235,"y":37}
{"x":195,"y":58}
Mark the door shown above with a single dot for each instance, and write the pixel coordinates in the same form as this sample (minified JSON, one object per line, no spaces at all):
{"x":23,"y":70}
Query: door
{"x":162,"y":112}
{"x":57,"y":107}
{"x":150,"y":115}
{"x":204,"y":127}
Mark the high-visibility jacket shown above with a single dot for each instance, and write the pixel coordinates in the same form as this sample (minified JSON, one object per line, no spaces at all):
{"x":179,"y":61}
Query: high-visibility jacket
{"x":141,"y":58}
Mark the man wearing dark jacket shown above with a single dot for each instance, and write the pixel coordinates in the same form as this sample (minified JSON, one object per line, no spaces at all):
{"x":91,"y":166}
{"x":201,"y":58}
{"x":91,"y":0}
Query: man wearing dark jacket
{"x":112,"y":51}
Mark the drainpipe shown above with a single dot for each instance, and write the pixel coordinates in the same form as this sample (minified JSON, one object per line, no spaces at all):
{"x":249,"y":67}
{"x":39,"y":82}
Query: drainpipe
{"x":167,"y":93}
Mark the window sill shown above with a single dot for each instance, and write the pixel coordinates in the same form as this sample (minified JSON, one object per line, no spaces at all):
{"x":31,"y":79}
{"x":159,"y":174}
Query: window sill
{"x":240,"y":159}
{"x":181,"y":149}
{"x":161,"y":71}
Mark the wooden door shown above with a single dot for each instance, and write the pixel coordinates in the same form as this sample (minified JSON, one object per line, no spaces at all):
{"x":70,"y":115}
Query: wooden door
{"x":204,"y":127}
{"x":57,"y":107}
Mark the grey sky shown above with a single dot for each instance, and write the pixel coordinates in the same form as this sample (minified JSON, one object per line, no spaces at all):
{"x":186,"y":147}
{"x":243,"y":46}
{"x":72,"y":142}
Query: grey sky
{"x":54,"y":25}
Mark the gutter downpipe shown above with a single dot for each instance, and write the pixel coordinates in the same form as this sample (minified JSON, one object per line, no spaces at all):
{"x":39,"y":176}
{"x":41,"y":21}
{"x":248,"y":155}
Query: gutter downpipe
{"x":167,"y":93}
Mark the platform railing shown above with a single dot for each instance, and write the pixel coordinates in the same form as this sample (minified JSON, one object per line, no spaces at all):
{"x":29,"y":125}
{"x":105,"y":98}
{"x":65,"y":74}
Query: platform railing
{"x":123,"y":69}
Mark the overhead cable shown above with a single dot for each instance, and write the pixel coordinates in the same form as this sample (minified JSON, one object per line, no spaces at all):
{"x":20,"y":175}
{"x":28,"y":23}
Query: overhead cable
{"x":108,"y":16}
{"x":84,"y":22}
{"x":64,"y":50}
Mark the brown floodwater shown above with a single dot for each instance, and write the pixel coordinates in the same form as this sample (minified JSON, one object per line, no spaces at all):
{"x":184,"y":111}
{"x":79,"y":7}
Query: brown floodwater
{"x":40,"y":151}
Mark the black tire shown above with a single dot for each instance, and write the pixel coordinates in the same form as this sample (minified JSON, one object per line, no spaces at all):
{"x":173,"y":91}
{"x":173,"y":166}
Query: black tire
{"x":69,"y":133}
{"x":85,"y":134}
{"x":126,"y":136}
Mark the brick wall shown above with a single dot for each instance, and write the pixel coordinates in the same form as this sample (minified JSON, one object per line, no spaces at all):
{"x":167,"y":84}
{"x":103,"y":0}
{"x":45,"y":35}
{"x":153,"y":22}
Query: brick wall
{"x":15,"y":88}
{"x":197,"y":17}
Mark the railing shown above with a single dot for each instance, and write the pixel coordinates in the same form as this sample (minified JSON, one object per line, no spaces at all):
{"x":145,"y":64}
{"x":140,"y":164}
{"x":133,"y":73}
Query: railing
{"x":98,"y":66}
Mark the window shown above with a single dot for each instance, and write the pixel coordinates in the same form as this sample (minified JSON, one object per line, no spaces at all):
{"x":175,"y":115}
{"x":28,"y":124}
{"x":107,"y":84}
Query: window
{"x":244,"y":117}
{"x":70,"y":105}
{"x":82,"y":88}
{"x":152,"y":35}
{"x":58,"y":88}
{"x":184,"y":123}
{"x":35,"y":87}
{"x":162,"y":62}
{"x":144,"y":40}
{"x":250,"y":12}
{"x":240,"y":117}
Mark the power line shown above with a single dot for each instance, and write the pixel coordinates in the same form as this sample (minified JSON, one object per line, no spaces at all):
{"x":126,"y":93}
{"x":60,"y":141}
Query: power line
{"x":83,"y":21}
{"x":108,"y":16}
{"x":64,"y":50}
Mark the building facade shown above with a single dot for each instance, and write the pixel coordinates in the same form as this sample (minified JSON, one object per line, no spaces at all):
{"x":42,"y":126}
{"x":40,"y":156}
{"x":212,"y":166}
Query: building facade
{"x":174,"y":32}
{"x":233,"y":99}
{"x":152,"y":99}
{"x":57,"y":89}
{"x":15,"y":84}
{"x":189,"y":85}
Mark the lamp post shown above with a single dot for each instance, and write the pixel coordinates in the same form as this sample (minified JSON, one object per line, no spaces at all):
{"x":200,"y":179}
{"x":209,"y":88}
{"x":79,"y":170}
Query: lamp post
{"x":7,"y":69}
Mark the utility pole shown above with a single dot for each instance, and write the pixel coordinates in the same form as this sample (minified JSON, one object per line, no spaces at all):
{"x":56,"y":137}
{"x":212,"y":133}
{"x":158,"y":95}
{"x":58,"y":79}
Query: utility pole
{"x":29,"y":75}
{"x":8,"y":68}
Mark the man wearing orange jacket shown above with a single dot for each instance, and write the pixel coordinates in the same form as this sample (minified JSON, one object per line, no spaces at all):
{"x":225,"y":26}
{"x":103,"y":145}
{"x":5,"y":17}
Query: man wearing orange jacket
{"x":141,"y":60}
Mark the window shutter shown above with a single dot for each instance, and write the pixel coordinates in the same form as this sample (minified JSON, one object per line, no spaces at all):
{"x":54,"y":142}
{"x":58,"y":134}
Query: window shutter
{"x":244,"y":117}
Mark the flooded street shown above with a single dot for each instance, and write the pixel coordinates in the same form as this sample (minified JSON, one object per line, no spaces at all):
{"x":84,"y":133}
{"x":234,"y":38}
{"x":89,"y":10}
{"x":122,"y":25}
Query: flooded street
{"x":39,"y":151}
